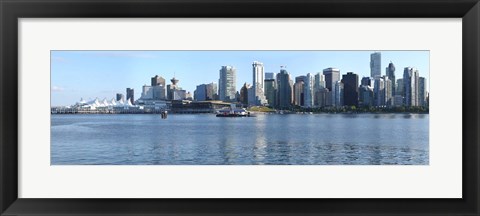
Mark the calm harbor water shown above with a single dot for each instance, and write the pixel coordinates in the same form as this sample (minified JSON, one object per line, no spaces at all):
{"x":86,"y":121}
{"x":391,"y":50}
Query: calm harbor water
{"x":318,"y":139}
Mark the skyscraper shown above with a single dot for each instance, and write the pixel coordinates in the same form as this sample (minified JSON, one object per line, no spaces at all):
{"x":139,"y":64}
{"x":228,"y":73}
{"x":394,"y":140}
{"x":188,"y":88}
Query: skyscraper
{"x":350,"y":94}
{"x":200,"y":93}
{"x":367,"y":81}
{"x":319,"y":81}
{"x":375,"y":64}
{"x":158,"y":80}
{"x":258,"y":83}
{"x":284,"y":89}
{"x":390,"y":72}
{"x":379,"y":91}
{"x":269,"y":75}
{"x":308,"y":90}
{"x":422,"y":92}
{"x":332,"y":75}
{"x":410,"y":83}
{"x":227,"y":83}
{"x":212,"y":90}
{"x":399,"y":88}
{"x":337,"y":95}
{"x":244,"y":94}
{"x":270,"y":89}
{"x":120,"y":96}
{"x":131,"y":95}
{"x":365,"y":96}
{"x":298,"y":92}
{"x":171,"y":88}
{"x":388,"y":91}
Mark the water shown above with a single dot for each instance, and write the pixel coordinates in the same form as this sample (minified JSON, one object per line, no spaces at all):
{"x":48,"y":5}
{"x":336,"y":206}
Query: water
{"x":318,"y":139}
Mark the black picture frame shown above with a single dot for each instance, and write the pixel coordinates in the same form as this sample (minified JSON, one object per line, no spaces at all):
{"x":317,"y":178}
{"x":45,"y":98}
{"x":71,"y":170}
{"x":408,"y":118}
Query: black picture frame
{"x":12,"y":10}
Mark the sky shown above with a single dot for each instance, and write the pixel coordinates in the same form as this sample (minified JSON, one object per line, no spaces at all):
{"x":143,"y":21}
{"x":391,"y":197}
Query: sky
{"x":103,"y":74}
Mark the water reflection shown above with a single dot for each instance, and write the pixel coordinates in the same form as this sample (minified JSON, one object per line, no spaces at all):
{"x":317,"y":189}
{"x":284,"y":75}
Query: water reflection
{"x":341,"y":139}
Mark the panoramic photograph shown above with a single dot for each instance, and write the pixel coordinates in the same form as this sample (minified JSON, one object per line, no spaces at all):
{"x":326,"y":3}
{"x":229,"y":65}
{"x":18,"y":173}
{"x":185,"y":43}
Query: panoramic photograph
{"x":258,"y":107}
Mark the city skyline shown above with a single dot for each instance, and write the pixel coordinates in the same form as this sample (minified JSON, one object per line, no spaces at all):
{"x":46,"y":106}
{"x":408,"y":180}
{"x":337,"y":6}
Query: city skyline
{"x":103,"y":74}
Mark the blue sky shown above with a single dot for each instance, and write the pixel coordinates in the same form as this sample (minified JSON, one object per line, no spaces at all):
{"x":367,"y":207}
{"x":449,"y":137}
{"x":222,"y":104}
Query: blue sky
{"x":102,"y":74}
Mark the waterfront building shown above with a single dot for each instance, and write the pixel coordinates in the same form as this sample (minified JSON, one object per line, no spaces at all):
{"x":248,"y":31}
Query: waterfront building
{"x":244,"y":94}
{"x":319,"y":81}
{"x":227,"y":83}
{"x":171,"y":88}
{"x":399,"y":88}
{"x":298,"y":92}
{"x":258,"y":84}
{"x":388,"y":91}
{"x":321,"y":96}
{"x":379,"y":91}
{"x":147,"y":93}
{"x":308,"y":91}
{"x":375,"y":64}
{"x":332,"y":75}
{"x":270,"y":89}
{"x":398,"y":100}
{"x":337,"y":95}
{"x":120,"y":97}
{"x":284,"y":89}
{"x":410,"y":83}
{"x":350,"y":82}
{"x":157,"y":81}
{"x":422,"y":92}
{"x":251,"y":97}
{"x":212,"y":90}
{"x":189,"y":96}
{"x":131,"y":95}
{"x":269,"y":75}
{"x":390,"y":72}
{"x":365,"y":96}
{"x":367,"y":81}
{"x":200,"y":93}
{"x":179,"y":94}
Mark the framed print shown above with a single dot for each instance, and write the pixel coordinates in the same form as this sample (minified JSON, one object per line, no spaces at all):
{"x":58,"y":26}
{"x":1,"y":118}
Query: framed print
{"x":225,"y":107}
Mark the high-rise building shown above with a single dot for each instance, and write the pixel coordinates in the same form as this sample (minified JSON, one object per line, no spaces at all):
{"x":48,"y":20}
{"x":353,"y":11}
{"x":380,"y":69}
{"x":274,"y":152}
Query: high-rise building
{"x":200,"y":93}
{"x":410,"y":83}
{"x":379,"y":91}
{"x":171,"y":88}
{"x":388,"y":91}
{"x":337,"y":95}
{"x":131,"y":95}
{"x":422,"y":92}
{"x":270,"y":89}
{"x":212,"y":90}
{"x":332,"y":75}
{"x":321,"y":96}
{"x":390,"y":72}
{"x":120,"y":97}
{"x":158,"y":80}
{"x":308,"y":91}
{"x":319,"y":81}
{"x":375,"y":64}
{"x":350,"y":85}
{"x":284,"y":89}
{"x":367,"y":81}
{"x":365,"y":96}
{"x":269,"y":75}
{"x":244,"y":94}
{"x":298,"y":92}
{"x":227,"y":83}
{"x":258,"y":83}
{"x":399,"y":88}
